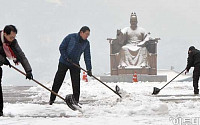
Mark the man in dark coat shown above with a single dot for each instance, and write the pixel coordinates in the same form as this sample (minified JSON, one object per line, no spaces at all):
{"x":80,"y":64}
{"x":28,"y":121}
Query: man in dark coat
{"x":9,"y":48}
{"x":193,"y":60}
{"x":71,"y":49}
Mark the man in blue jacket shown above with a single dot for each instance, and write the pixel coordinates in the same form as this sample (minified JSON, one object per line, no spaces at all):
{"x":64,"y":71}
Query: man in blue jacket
{"x":71,"y":49}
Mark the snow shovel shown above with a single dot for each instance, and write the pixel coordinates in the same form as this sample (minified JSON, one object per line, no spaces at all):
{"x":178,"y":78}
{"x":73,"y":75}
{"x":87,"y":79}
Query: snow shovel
{"x":115,"y":91}
{"x":157,"y":90}
{"x":69,"y":98}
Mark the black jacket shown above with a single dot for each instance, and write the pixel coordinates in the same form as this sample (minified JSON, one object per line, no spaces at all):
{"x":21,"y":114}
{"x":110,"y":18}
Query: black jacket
{"x":19,"y":54}
{"x":193,"y":59}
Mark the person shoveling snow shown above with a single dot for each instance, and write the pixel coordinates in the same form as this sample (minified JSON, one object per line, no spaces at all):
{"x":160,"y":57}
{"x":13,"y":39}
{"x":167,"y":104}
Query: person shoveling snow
{"x":193,"y":60}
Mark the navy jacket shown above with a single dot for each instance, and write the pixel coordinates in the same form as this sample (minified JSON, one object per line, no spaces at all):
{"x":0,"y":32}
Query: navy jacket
{"x":72,"y":47}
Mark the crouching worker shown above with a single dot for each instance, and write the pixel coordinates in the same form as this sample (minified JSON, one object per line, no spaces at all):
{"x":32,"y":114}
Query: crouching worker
{"x":9,"y":48}
{"x":193,"y":60}
{"x":71,"y":49}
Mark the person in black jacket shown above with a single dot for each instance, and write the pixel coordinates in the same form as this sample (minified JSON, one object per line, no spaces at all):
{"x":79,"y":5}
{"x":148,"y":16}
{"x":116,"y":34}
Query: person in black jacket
{"x":193,"y":60}
{"x":9,"y":48}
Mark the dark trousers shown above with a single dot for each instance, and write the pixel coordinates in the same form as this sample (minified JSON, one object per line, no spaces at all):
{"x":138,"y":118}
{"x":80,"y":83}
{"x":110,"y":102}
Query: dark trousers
{"x":196,"y":75}
{"x":60,"y":76}
{"x":1,"y":94}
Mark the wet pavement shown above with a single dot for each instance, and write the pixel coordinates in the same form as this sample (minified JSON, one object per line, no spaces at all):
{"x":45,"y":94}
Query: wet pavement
{"x":14,"y":94}
{"x":21,"y":94}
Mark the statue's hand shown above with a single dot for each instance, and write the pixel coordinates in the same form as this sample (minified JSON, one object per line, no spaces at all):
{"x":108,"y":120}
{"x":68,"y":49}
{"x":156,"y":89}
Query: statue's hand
{"x":141,"y":44}
{"x":154,"y":39}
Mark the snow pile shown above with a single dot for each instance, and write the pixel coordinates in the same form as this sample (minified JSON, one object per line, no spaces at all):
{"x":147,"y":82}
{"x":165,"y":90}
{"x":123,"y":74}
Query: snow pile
{"x":102,"y":101}
{"x":102,"y":106}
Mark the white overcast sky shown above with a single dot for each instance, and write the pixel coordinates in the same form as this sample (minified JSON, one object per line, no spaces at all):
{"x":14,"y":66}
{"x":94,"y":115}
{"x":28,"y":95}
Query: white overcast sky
{"x":42,"y":25}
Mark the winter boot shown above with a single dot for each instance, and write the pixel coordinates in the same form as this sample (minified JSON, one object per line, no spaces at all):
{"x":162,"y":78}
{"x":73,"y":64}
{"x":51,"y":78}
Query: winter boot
{"x":196,"y":91}
{"x":1,"y":113}
{"x":51,"y":102}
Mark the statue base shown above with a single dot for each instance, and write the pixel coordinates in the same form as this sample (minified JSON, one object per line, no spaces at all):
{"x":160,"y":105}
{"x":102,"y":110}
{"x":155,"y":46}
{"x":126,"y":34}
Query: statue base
{"x":129,"y":78}
{"x":132,"y":70}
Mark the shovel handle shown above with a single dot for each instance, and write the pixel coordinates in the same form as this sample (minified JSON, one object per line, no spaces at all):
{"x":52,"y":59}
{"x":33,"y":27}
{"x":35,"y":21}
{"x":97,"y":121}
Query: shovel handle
{"x":95,"y":78}
{"x":173,"y":78}
{"x":38,"y":83}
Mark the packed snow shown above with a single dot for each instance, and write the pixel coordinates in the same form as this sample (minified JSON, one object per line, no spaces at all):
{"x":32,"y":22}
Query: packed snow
{"x":102,"y":106}
{"x":171,"y":74}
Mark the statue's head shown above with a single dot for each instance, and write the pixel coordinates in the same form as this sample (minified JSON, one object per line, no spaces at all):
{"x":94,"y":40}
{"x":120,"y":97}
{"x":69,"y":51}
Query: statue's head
{"x":133,"y":20}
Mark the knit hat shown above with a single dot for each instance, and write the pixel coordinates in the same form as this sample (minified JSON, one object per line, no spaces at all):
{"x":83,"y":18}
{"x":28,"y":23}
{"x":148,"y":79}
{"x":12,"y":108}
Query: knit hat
{"x":191,"y":48}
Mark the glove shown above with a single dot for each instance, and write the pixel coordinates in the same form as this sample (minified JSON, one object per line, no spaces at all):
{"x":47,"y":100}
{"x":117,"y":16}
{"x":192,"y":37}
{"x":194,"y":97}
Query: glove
{"x":7,"y":63}
{"x":186,"y":71}
{"x":89,"y":72}
{"x":69,"y":60}
{"x":29,"y":76}
{"x":16,"y":62}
